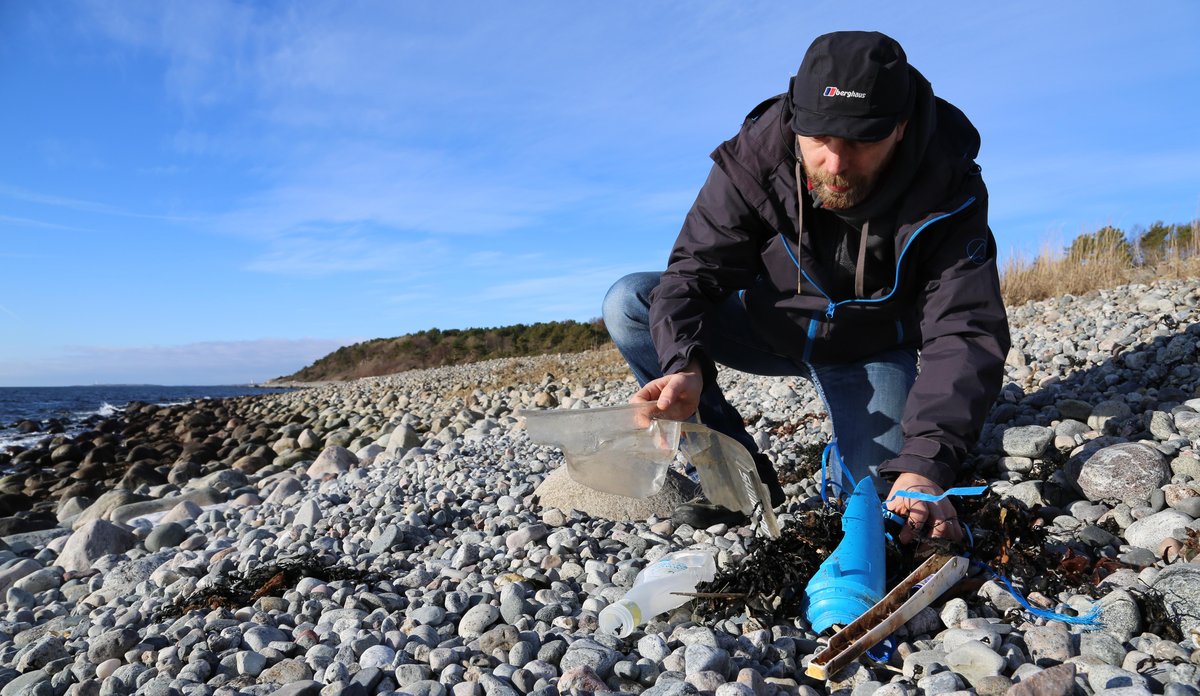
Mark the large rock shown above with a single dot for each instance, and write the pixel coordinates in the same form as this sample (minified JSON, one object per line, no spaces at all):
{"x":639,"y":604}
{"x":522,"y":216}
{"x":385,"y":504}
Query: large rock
{"x":559,"y":490}
{"x":250,"y":464}
{"x":1052,"y":681}
{"x":199,"y":496}
{"x":221,"y":479}
{"x":284,"y":489}
{"x":1149,"y":532}
{"x":105,"y":504}
{"x":402,"y":439}
{"x":122,"y":579}
{"x":10,"y":575}
{"x":1128,"y":472}
{"x":333,"y":460}
{"x":1188,"y":424}
{"x":1026,"y":441}
{"x":1180,"y":588}
{"x":1106,"y":411}
{"x":142,"y":473}
{"x":91,"y":541}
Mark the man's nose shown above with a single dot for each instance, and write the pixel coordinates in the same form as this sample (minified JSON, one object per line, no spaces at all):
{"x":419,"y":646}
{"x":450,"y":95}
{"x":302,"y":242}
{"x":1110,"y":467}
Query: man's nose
{"x":835,"y":162}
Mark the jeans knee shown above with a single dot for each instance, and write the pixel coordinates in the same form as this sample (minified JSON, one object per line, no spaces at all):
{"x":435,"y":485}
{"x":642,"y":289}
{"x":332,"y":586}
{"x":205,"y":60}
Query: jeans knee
{"x":626,"y":306}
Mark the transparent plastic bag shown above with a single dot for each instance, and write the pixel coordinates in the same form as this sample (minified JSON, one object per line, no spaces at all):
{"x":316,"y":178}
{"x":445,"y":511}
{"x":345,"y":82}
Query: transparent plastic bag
{"x":625,"y":450}
{"x":617,"y":449}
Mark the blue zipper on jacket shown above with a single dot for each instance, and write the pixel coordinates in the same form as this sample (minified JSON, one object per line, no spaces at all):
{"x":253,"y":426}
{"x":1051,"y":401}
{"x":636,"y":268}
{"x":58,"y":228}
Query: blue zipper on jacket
{"x":832,"y":306}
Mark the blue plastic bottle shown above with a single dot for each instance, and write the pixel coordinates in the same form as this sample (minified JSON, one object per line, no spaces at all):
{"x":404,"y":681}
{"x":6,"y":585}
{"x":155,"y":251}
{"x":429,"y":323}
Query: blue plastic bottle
{"x":852,"y":579}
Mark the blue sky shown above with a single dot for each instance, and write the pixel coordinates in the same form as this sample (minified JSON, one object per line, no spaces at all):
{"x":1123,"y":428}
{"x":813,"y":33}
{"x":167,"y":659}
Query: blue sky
{"x":213,"y":192}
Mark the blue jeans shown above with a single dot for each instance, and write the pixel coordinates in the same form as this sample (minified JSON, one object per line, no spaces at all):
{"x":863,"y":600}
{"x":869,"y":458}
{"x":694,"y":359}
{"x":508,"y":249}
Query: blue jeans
{"x":865,"y":399}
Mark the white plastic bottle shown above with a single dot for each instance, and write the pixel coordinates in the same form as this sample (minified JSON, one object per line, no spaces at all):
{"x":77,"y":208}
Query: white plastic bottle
{"x":652,"y":590}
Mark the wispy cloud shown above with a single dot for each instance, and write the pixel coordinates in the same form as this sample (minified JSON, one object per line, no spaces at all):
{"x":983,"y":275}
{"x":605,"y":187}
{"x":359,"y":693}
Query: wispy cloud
{"x":209,"y":362}
{"x":400,"y":188}
{"x":86,"y":206}
{"x":575,"y":290}
{"x":39,"y":224}
{"x":328,"y":252}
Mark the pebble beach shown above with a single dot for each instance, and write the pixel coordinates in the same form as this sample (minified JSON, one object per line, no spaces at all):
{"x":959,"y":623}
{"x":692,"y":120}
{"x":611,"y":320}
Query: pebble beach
{"x":469,"y":566}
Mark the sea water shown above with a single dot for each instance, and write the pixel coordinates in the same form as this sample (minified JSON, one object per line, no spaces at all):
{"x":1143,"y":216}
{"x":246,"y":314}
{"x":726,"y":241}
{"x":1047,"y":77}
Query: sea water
{"x":73,"y":405}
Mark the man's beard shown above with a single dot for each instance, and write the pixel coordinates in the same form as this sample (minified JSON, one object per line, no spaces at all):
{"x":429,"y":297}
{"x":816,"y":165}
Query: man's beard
{"x":858,"y":186}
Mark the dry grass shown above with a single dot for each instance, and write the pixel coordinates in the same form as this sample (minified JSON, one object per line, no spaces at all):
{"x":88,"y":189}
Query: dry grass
{"x":1053,"y":273}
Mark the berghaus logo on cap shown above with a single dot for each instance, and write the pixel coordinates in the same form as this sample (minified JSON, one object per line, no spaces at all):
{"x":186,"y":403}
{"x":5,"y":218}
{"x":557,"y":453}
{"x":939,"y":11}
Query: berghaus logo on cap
{"x":835,"y":92}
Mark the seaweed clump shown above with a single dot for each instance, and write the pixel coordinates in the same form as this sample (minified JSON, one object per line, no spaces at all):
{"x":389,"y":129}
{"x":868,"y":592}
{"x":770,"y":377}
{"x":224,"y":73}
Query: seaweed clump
{"x":768,"y":583}
{"x":1159,"y":619}
{"x":1012,"y":540}
{"x":807,"y":464}
{"x":239,"y":590}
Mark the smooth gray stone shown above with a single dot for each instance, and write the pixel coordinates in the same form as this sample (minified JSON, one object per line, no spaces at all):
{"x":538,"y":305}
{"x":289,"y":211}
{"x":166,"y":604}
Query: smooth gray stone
{"x":301,"y":688}
{"x":427,"y":687}
{"x":122,"y":579}
{"x":1101,"y":646}
{"x":91,"y":541}
{"x":477,"y":620}
{"x":975,"y":660}
{"x":23,"y":682}
{"x":1179,"y":584}
{"x":590,"y":654}
{"x":1150,"y":531}
{"x":703,"y":658}
{"x":940,"y":683}
{"x":1026,"y":441}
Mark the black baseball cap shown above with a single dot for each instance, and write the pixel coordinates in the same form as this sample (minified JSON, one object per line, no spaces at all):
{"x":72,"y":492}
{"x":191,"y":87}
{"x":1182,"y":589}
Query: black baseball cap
{"x":852,"y":84}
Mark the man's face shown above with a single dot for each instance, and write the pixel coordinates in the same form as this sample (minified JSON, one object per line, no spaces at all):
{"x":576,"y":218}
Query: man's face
{"x":844,"y":172}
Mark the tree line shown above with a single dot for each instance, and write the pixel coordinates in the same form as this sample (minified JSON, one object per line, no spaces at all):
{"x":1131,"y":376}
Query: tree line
{"x":438,"y":347}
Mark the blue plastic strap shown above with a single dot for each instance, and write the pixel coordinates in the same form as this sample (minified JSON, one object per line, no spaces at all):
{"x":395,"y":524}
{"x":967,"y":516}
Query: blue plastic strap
{"x":967,"y":530}
{"x":917,"y":495}
{"x":832,"y":448}
{"x":1090,"y":619}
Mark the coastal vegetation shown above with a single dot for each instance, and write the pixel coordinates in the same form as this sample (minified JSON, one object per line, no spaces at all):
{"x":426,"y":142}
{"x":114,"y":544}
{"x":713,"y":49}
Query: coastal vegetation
{"x":438,"y":348}
{"x":1105,"y":258}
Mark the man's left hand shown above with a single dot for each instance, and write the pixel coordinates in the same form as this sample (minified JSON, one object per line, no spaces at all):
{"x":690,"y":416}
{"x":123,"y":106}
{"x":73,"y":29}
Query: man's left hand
{"x":937,"y":520}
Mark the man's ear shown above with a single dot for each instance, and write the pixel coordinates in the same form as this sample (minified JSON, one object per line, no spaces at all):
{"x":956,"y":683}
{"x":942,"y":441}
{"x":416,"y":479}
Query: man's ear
{"x":900,"y":127}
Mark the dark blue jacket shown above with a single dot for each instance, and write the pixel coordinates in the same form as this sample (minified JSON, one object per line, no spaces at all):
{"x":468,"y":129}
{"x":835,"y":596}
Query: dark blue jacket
{"x":754,"y":229}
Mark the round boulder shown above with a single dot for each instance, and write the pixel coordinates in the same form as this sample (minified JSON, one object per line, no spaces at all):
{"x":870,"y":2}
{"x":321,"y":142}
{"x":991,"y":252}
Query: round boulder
{"x":1128,"y":471}
{"x":1026,"y":441}
{"x":1180,"y":587}
{"x":1149,"y":532}
{"x":561,"y":491}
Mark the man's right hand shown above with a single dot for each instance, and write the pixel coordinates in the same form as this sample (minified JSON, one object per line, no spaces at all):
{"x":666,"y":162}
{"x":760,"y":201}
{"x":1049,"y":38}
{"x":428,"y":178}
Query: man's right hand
{"x":677,"y":396}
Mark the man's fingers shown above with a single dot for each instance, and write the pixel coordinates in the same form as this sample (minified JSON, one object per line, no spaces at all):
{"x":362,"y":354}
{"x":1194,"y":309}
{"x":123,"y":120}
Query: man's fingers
{"x":947,"y":528}
{"x":918,"y":513}
{"x":667,"y":397}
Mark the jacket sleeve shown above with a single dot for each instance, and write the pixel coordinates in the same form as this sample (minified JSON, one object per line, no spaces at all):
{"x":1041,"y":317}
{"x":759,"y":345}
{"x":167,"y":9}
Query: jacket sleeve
{"x":717,"y":252}
{"x":965,"y":340}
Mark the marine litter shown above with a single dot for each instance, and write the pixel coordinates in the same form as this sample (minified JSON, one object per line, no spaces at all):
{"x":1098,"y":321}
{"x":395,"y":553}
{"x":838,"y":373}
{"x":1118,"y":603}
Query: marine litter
{"x":832,"y":566}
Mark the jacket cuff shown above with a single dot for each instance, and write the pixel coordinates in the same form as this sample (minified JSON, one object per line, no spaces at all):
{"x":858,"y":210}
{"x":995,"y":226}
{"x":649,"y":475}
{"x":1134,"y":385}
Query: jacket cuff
{"x":930,"y":459}
{"x":940,"y":474}
{"x":708,"y":369}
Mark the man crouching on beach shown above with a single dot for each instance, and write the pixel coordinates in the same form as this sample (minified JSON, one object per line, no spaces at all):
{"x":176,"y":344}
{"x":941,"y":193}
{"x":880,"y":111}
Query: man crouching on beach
{"x":841,"y":234}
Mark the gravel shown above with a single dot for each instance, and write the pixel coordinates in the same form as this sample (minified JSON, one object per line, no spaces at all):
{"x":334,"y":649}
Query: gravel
{"x":424,"y":483}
